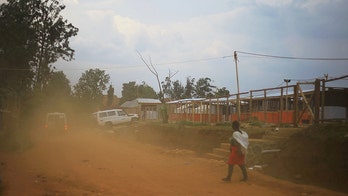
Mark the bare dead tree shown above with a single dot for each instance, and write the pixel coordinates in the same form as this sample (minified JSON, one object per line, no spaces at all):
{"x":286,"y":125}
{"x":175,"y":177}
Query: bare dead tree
{"x":153,"y":70}
{"x":170,"y":74}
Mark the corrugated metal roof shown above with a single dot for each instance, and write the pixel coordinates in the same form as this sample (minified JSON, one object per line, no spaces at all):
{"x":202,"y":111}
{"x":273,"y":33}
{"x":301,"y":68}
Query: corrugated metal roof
{"x":186,"y":100}
{"x":130,"y":104}
{"x":222,"y":99}
{"x":148,"y":100}
{"x":136,"y":102}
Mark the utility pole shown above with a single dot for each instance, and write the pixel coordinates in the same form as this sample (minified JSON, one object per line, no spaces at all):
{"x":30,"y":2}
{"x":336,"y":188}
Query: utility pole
{"x":286,"y":96}
{"x":238,"y":98}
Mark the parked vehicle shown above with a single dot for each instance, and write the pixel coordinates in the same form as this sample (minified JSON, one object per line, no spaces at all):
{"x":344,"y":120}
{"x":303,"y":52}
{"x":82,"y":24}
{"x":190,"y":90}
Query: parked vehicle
{"x":56,"y":121}
{"x":134,"y":116}
{"x":111,"y":117}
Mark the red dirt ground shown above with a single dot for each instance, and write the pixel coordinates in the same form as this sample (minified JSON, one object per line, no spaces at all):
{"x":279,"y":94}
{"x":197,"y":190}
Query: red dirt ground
{"x":98,"y":162}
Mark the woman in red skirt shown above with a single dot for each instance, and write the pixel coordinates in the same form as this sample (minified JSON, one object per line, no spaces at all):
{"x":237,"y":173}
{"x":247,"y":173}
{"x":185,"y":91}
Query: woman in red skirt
{"x":238,"y":145}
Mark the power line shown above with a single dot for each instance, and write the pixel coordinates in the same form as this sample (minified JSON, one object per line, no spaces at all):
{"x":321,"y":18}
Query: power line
{"x":204,"y":59}
{"x":294,"y":58}
{"x":196,"y":60}
{"x":135,"y":66}
{"x":15,"y":69}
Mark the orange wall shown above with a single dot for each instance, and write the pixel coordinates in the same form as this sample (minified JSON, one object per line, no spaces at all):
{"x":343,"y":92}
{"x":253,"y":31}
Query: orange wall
{"x":267,"y":117}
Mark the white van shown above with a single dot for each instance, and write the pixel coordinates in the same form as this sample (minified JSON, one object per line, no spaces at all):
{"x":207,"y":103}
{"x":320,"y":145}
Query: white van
{"x":111,"y":117}
{"x":56,"y":121}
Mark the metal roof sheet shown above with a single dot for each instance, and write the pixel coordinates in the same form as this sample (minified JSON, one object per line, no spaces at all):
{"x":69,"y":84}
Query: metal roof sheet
{"x":136,"y":102}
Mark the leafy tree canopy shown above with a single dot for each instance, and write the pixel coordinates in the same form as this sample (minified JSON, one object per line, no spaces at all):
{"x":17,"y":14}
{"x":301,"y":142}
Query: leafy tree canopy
{"x":222,"y":92}
{"x":57,"y":93}
{"x":189,"y":88}
{"x":91,"y":86}
{"x":178,"y":90}
{"x":203,"y":88}
{"x":17,"y":50}
{"x":58,"y":84}
{"x":34,"y":35}
{"x":111,"y":94}
{"x":131,"y":91}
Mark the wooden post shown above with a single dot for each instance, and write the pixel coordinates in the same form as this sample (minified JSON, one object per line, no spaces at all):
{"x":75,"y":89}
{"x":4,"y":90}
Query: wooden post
{"x":186,"y":111}
{"x":316,"y":101}
{"x":206,"y":110}
{"x":251,"y":105}
{"x":323,"y":101}
{"x":217,"y":111}
{"x":307,"y":105}
{"x":296,"y":104}
{"x":286,"y":97}
{"x":265,"y":106}
{"x":281,"y":105}
{"x":238,"y":96}
{"x":181,"y":112}
{"x":200,"y":112}
{"x":209,"y":111}
{"x":227,"y":114}
{"x":193,"y":111}
{"x":346,"y":92}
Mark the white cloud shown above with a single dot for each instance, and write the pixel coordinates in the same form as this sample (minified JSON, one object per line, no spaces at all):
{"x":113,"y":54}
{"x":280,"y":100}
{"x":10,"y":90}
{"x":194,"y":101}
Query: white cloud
{"x":134,"y":32}
{"x":275,"y":3}
{"x":70,"y":2}
{"x":313,"y":4}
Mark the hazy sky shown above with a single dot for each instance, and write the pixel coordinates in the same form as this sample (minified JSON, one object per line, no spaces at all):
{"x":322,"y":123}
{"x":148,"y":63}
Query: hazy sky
{"x":197,"y":38}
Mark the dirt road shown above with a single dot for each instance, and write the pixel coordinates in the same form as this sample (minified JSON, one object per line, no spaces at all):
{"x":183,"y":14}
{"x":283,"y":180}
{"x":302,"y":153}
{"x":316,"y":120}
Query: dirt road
{"x":95,"y":162}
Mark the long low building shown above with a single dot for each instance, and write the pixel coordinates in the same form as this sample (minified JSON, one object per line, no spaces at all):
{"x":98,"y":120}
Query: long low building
{"x":281,"y":105}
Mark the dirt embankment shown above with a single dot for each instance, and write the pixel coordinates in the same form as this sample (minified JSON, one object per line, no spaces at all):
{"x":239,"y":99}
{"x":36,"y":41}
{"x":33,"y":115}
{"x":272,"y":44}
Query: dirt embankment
{"x":316,"y":155}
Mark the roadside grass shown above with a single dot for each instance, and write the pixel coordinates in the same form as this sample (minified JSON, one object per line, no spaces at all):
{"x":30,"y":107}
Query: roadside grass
{"x":223,"y":130}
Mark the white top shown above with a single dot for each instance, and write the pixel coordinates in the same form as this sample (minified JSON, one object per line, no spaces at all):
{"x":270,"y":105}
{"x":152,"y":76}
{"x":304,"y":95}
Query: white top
{"x":242,"y":138}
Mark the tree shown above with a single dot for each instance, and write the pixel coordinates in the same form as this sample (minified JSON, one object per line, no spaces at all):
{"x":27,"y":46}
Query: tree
{"x":167,"y":85}
{"x":189,"y":88}
{"x":90,"y":87}
{"x":153,"y":70}
{"x":131,"y":91}
{"x":178,"y":90}
{"x":52,"y":37}
{"x":33,"y":35}
{"x":111,"y":94}
{"x":17,"y":48}
{"x":36,"y":30}
{"x":57,"y":95}
{"x":146,"y":91}
{"x":222,"y":92}
{"x":58,"y":85}
{"x":203,"y":88}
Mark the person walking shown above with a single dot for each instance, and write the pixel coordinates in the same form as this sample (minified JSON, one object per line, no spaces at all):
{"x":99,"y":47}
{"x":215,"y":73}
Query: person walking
{"x":238,"y":147}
